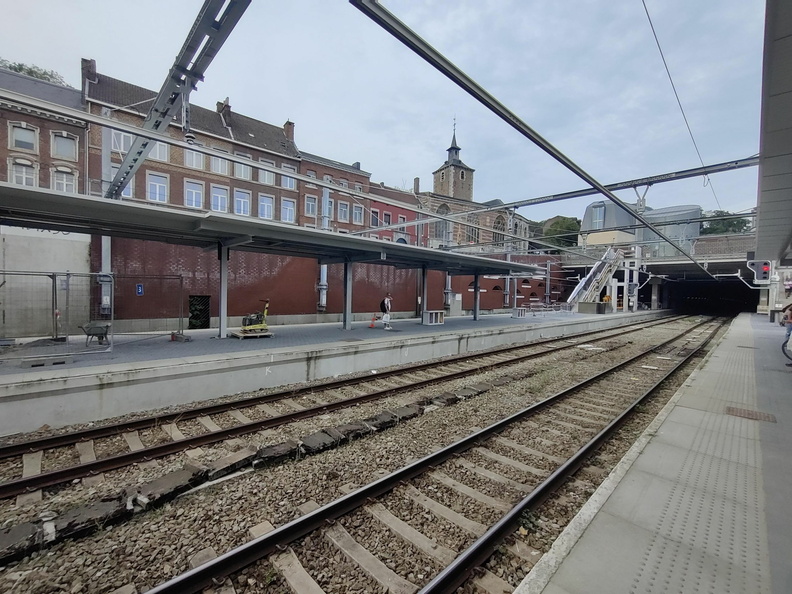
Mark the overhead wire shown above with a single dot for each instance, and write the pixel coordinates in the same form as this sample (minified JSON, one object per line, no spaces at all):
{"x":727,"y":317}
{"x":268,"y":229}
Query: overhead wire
{"x":707,"y":180}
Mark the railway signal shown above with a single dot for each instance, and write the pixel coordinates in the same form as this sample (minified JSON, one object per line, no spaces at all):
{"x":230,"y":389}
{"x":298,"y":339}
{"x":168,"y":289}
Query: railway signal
{"x":761,"y":269}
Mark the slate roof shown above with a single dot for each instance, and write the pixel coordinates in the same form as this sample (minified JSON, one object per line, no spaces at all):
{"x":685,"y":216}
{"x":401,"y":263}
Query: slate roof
{"x":245,"y":129}
{"x":336,"y":164}
{"x":40,"y":89}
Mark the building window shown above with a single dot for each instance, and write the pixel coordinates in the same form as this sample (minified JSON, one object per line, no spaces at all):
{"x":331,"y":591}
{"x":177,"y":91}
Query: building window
{"x":288,"y":208}
{"x":23,"y":173}
{"x":193,"y":159}
{"x":357,"y":214}
{"x":266,"y":207}
{"x":442,"y":176}
{"x":328,"y":208}
{"x":461,"y":175}
{"x":122,"y":142}
{"x":64,"y":146}
{"x":267,"y":177}
{"x":311,"y":174}
{"x":157,"y":187}
{"x":129,"y":189}
{"x":358,"y":188}
{"x":386,"y":218}
{"x":242,"y":202}
{"x":219,"y":165}
{"x":159,"y":152}
{"x":498,"y":230}
{"x":327,"y":178}
{"x":471,"y":232}
{"x":343,"y":212}
{"x":598,"y":217}
{"x":310,"y":206}
{"x":241,"y":170}
{"x":64,"y":180}
{"x":343,"y":183}
{"x":193,"y":194}
{"x":375,"y":220}
{"x":219,"y":199}
{"x":288,"y":182}
{"x":402,"y":219}
{"x":441,"y":227}
{"x":23,"y":137}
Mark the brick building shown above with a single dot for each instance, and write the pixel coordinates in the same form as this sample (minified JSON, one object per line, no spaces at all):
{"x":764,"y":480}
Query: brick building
{"x":47,"y":150}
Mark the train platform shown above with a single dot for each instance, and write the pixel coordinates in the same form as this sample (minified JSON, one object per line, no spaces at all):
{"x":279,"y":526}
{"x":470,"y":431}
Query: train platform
{"x":147,"y":372}
{"x":701,"y":502}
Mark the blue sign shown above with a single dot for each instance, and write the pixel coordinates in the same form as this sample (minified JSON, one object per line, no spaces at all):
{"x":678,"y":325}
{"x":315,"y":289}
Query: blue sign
{"x":139,"y":290}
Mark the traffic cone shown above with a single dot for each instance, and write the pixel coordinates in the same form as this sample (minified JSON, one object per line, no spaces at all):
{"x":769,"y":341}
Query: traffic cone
{"x":373,"y":320}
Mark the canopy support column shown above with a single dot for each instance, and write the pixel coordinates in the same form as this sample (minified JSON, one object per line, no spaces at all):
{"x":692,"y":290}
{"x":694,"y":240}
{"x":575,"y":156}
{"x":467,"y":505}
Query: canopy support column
{"x":476,"y":296}
{"x":222,"y":254}
{"x":347,"y":315}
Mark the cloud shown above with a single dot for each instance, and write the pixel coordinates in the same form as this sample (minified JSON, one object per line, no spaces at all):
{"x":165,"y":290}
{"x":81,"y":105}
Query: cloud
{"x":586,"y":75}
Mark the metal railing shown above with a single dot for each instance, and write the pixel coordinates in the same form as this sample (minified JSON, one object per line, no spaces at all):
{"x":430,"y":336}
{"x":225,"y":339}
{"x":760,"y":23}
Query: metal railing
{"x":52,"y":314}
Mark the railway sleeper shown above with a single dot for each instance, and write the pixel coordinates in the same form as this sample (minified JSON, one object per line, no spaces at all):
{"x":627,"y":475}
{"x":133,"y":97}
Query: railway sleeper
{"x":20,"y":540}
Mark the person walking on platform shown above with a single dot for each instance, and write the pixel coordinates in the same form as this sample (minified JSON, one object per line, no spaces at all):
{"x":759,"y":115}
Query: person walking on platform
{"x":385,"y":308}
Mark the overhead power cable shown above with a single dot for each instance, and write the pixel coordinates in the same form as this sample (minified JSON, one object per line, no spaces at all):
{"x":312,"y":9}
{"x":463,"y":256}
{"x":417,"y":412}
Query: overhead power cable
{"x":374,"y":10}
{"x":684,"y":117}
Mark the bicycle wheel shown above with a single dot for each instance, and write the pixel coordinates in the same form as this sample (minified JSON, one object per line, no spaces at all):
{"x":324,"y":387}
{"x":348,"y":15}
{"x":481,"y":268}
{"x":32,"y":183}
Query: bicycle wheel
{"x":785,"y":350}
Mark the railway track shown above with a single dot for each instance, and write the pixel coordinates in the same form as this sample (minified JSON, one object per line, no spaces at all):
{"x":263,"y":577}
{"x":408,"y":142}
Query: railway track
{"x":164,"y":434}
{"x":431,"y":524}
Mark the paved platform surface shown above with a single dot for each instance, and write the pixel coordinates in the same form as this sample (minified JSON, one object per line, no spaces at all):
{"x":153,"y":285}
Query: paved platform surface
{"x":702,"y":502}
{"x":135,"y":349}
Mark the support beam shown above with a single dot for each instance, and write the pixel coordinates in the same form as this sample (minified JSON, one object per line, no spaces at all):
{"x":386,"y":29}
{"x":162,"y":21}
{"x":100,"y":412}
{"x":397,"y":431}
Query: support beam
{"x":424,"y":291}
{"x":223,"y":255}
{"x":348,"y":295}
{"x":400,"y":31}
{"x":476,"y":296}
{"x":209,"y":31}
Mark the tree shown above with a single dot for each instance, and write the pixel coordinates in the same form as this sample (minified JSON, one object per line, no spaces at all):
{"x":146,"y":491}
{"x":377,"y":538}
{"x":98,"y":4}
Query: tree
{"x":563,"y":232}
{"x":35,"y":72}
{"x":720,"y":226}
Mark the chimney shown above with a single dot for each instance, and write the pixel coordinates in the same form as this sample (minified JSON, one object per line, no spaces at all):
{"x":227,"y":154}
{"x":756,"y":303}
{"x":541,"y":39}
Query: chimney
{"x":356,"y":164}
{"x":89,"y":70}
{"x":417,"y":185}
{"x":288,"y":130}
{"x":224,"y":109}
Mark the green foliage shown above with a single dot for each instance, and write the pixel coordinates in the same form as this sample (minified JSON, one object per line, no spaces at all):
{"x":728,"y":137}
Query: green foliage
{"x":722,"y":226}
{"x":35,"y":72}
{"x":563,"y":232}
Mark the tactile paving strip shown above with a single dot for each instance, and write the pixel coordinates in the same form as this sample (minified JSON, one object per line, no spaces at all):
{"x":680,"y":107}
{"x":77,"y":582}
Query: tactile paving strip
{"x":710,"y":535}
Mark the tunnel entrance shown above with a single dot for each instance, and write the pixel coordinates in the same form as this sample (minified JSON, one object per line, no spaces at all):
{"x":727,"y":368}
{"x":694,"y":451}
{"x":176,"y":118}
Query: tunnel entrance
{"x":726,"y":297}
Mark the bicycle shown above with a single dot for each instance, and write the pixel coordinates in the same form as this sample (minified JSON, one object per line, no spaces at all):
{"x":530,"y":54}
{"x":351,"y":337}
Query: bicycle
{"x":786,"y":352}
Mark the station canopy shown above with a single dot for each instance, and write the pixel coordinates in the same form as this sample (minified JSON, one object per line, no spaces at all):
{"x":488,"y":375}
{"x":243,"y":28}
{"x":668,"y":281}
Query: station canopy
{"x":41,"y":208}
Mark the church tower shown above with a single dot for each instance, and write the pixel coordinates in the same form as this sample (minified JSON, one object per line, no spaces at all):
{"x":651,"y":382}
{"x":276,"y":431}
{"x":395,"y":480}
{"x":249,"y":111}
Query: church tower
{"x":454,"y":178}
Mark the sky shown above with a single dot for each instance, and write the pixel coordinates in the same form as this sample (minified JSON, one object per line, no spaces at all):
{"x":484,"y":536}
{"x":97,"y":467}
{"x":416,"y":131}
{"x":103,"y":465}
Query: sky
{"x":584,"y":74}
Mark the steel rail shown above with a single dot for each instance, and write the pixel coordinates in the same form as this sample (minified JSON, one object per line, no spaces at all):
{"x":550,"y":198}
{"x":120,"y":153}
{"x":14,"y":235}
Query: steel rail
{"x":63,"y":475}
{"x":245,"y":555}
{"x":68,"y":439}
{"x":455,"y":574}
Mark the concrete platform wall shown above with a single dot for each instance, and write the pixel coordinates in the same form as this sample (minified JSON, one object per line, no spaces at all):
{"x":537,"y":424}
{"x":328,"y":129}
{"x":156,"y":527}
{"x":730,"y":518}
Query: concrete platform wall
{"x":63,"y":397}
